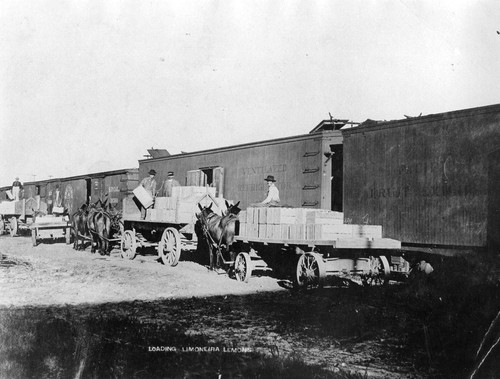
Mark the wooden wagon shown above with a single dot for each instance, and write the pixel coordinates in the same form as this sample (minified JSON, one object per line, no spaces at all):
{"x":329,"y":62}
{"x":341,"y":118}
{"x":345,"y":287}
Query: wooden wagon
{"x":322,"y":245}
{"x":50,"y":227}
{"x":17,"y":215}
{"x":169,"y":226}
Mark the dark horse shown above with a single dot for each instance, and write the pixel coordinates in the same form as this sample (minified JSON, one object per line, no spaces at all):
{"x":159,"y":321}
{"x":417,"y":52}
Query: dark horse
{"x":102,"y":223}
{"x":80,"y":223}
{"x":218,"y":232}
{"x":79,"y":226}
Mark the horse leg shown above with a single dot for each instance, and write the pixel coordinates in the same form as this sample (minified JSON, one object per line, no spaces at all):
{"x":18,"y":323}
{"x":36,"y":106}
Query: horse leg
{"x":104,"y":242}
{"x":94,"y":242}
{"x":210,"y":252}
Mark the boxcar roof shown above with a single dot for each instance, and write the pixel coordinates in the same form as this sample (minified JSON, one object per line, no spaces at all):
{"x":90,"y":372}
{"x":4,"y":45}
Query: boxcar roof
{"x":247,"y":145}
{"x":372,"y":125}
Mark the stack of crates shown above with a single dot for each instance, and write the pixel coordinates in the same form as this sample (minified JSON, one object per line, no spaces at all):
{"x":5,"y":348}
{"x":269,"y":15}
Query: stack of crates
{"x":182,"y":207}
{"x":301,"y":224}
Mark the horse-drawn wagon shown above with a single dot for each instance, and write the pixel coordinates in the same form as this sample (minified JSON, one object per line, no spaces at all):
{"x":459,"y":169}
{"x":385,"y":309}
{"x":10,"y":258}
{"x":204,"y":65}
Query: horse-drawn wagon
{"x":30,"y":214}
{"x":314,"y":244}
{"x":169,"y":225}
{"x":51,"y":227}
{"x":18,"y":215}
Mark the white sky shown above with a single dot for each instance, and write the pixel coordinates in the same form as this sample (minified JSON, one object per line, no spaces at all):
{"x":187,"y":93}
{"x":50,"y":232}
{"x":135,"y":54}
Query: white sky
{"x":88,"y":86}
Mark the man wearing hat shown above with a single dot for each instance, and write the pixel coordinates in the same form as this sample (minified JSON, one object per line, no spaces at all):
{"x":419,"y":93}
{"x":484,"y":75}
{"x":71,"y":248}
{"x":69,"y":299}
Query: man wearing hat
{"x":273,"y":195}
{"x":149,"y":185}
{"x":16,"y":189}
{"x":169,"y":183}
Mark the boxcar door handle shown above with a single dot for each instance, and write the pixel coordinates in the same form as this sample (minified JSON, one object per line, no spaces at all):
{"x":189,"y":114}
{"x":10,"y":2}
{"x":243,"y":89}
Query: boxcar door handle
{"x":310,"y":170}
{"x":309,"y":203}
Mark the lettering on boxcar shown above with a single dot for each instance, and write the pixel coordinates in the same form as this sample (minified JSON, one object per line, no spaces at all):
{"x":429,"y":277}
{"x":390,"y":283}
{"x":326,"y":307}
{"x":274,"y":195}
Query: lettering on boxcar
{"x":113,"y":189}
{"x":470,"y":189}
{"x":262,"y":187}
{"x":247,"y":171}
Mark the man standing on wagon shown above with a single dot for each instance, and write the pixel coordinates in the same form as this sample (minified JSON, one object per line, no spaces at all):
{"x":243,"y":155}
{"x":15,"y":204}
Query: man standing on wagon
{"x":149,"y":185}
{"x":169,"y":183}
{"x":16,"y":189}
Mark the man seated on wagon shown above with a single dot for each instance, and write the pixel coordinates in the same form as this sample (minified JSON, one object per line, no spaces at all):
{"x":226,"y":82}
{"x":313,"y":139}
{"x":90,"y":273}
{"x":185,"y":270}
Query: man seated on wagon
{"x":273,"y":194}
{"x":169,"y":183}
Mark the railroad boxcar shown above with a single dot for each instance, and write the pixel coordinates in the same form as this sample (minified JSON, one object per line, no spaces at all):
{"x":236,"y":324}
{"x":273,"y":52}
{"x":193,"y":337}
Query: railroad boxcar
{"x":431,"y":182}
{"x":77,"y":190}
{"x":307,"y":168}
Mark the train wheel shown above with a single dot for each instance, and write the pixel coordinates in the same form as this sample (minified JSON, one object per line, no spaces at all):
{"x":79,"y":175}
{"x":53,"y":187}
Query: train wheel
{"x":169,"y":248}
{"x":379,"y":272}
{"x":13,"y":226}
{"x":311,"y":271}
{"x":128,"y":244}
{"x":243,"y":267}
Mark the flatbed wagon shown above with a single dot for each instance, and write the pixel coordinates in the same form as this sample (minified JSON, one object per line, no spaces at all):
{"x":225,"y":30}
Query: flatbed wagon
{"x":169,"y":226}
{"x":17,"y":215}
{"x":363,"y":253}
{"x":50,"y":227}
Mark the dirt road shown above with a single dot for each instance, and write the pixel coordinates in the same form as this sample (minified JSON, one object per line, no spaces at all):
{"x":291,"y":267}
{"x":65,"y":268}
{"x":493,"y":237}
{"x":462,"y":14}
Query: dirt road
{"x":57,"y":274}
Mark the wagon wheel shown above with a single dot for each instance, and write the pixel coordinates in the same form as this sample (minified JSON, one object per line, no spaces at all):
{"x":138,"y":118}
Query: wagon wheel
{"x":311,"y":271}
{"x":379,"y":272}
{"x":169,"y":248}
{"x":243,"y":267}
{"x":33,"y":237}
{"x":128,"y":244}
{"x":13,"y":226}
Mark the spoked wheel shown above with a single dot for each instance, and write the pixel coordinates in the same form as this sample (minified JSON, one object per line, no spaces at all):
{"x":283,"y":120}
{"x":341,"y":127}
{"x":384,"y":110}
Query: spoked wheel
{"x":128,"y":244}
{"x":311,"y":271}
{"x":379,"y":272}
{"x":13,"y":226}
{"x":169,"y":248}
{"x":243,"y":267}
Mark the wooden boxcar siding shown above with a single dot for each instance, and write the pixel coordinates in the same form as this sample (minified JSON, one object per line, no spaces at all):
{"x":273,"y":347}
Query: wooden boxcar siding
{"x":117,"y":184}
{"x":494,"y":200}
{"x":424,"y":180}
{"x":295,"y":162}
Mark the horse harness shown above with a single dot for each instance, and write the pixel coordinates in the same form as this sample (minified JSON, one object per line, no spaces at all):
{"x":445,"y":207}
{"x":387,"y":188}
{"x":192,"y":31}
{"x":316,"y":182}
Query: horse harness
{"x":204,"y":227}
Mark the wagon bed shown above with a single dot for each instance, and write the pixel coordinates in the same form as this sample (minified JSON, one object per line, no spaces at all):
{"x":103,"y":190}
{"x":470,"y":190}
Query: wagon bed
{"x":169,"y":226}
{"x":341,"y":249}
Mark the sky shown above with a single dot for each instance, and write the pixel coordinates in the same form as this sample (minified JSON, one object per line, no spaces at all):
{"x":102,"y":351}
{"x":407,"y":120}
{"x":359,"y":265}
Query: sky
{"x":88,"y":86}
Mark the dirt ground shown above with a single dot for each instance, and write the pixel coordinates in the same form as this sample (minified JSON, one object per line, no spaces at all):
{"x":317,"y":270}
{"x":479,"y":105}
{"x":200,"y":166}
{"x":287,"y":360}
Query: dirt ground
{"x":52,"y":274}
{"x":335,"y":328}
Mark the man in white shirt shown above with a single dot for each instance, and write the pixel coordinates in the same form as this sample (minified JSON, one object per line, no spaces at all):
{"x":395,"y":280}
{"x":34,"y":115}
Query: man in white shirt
{"x":17,"y":186}
{"x":273,"y":194}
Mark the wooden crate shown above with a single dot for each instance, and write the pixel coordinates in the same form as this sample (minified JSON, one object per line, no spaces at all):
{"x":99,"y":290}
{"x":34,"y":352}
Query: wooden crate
{"x":322,"y":216}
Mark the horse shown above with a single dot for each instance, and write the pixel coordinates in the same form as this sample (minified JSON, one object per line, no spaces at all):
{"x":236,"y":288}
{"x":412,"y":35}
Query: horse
{"x":79,"y":226}
{"x":218,"y":231}
{"x":102,"y":223}
{"x":101,"y":231}
{"x":232,"y":208}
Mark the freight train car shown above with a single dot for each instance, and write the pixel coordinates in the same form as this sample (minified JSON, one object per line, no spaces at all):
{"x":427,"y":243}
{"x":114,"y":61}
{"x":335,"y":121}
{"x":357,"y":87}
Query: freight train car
{"x":307,"y":168}
{"x":78,"y":190}
{"x":432,"y":182}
